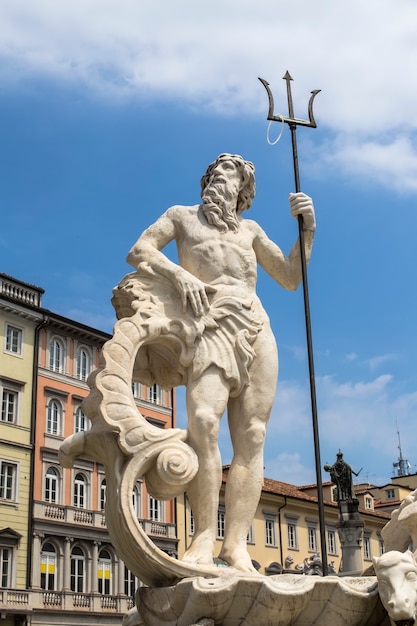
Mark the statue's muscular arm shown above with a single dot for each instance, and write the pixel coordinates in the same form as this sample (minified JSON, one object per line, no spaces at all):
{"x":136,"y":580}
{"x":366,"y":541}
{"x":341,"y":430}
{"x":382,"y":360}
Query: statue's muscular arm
{"x":147,"y":251}
{"x":286,"y":270}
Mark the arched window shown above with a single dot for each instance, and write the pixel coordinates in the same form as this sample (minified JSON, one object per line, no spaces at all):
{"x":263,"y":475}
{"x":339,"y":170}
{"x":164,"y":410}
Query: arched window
{"x":54,"y":418}
{"x":48,"y":567}
{"x":77,"y":570}
{"x":56,"y":356}
{"x":104,"y":573}
{"x":81,"y":421}
{"x":52,"y":485}
{"x":103,"y":487}
{"x":136,"y":500}
{"x":80,"y":491}
{"x":83,"y":364}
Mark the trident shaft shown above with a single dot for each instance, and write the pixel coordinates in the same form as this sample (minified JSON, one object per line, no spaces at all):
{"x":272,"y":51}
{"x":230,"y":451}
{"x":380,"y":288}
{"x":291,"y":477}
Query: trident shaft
{"x":293,"y":122}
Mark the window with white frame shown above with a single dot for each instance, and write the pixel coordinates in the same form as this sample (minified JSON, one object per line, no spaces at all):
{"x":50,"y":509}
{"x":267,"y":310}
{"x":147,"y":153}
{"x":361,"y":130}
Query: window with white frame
{"x":104,"y":572}
{"x":270,"y":530}
{"x":156,"y":509}
{"x":154,"y":394}
{"x":221,"y":521}
{"x":390,"y":494}
{"x":56,"y":355}
{"x":131,"y":584}
{"x":369,"y":503}
{"x":9,"y":405}
{"x":137,"y":499}
{"x":14,"y":340}
{"x":6,"y":563}
{"x":83,"y":363}
{"x":312,"y":538}
{"x":78,"y":573}
{"x":52,"y":485}
{"x":367,"y":554}
{"x":8,"y":480}
{"x":292,"y":535}
{"x":331,"y":541}
{"x":54,"y":417}
{"x":48,"y":567}
{"x":80,"y":491}
{"x":137,"y":390}
{"x":250,"y":538}
{"x":82,"y":422}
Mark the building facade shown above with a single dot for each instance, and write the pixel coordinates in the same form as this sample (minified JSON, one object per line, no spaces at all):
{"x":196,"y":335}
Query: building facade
{"x":58,"y":564}
{"x":285,"y":533}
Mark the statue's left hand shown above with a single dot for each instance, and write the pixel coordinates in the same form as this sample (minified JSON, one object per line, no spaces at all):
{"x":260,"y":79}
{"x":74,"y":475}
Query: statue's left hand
{"x":301,"y":204}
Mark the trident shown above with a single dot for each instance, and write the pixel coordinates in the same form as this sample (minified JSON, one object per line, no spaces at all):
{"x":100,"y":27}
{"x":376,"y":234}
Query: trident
{"x":293,"y":122}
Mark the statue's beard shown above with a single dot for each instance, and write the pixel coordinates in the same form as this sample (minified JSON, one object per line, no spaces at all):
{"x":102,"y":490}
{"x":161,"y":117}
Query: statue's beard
{"x":219,"y":206}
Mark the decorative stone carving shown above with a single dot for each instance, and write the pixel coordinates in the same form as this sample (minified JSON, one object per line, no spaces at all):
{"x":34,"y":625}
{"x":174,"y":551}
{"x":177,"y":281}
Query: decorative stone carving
{"x":397,"y":584}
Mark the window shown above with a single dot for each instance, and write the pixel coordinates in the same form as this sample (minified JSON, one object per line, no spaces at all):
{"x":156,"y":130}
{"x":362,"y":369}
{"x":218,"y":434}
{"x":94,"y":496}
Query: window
{"x":48,"y":567}
{"x":136,"y":500}
{"x":8,"y":481}
{"x":137,"y":390}
{"x":14,"y":339}
{"x":312,"y":538}
{"x":131,"y":583}
{"x":9,"y":406}
{"x":156,"y":509}
{"x":52,"y":485}
{"x":54,"y":418}
{"x":5,"y":567}
{"x":80,"y":491}
{"x":83,"y":364}
{"x":270,"y":531}
{"x":191,"y":523}
{"x":104,"y":573}
{"x":250,"y":538}
{"x":331,"y":542}
{"x":221,"y":519}
{"x":292,"y":535}
{"x":154,"y":393}
{"x":367,"y":555}
{"x":77,"y":570}
{"x":369,"y":503}
{"x":82,"y":422}
{"x":381,"y":546}
{"x":103,"y":488}
{"x":56,"y":355}
{"x":390,"y":494}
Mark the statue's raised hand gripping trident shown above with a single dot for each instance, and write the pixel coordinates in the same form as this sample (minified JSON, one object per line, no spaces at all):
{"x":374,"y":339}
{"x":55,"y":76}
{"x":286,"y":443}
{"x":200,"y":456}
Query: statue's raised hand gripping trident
{"x":233,"y":362}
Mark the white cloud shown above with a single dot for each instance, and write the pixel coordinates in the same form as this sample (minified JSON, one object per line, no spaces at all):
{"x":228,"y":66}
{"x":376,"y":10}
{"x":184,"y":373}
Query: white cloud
{"x":361,"y":54}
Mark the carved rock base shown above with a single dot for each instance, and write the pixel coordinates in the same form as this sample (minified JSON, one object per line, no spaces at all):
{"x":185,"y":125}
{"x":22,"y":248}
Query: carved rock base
{"x":283,"y":600}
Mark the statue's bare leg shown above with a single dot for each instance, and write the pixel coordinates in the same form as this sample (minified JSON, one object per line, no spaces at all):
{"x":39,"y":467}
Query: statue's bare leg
{"x":206,"y":402}
{"x":248,"y":416}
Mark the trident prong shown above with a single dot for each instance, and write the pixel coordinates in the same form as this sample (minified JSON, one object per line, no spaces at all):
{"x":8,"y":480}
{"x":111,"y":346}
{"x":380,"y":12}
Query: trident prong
{"x":311,"y":122}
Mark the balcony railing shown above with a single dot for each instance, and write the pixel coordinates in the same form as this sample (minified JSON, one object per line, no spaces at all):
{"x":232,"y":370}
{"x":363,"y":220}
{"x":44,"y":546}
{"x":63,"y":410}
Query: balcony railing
{"x":26,"y":601}
{"x":96,"y":519}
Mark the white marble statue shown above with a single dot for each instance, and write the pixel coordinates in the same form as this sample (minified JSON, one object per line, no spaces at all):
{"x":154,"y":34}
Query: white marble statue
{"x":397,"y":584}
{"x":235,"y":363}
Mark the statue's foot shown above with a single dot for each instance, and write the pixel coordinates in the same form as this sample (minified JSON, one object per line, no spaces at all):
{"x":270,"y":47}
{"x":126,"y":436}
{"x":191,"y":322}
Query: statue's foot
{"x":200,"y":551}
{"x":239,"y":559}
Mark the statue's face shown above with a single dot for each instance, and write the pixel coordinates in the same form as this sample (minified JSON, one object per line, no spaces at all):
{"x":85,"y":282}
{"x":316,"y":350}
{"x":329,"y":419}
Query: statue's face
{"x":228,"y":174}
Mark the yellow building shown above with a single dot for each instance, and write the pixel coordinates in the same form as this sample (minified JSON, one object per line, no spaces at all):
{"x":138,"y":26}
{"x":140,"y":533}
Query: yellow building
{"x":285,"y":531}
{"x":19,"y":328}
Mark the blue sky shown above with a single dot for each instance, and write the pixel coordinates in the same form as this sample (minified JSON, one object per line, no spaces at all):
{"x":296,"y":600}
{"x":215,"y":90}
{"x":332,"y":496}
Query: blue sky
{"x":110,"y":112}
